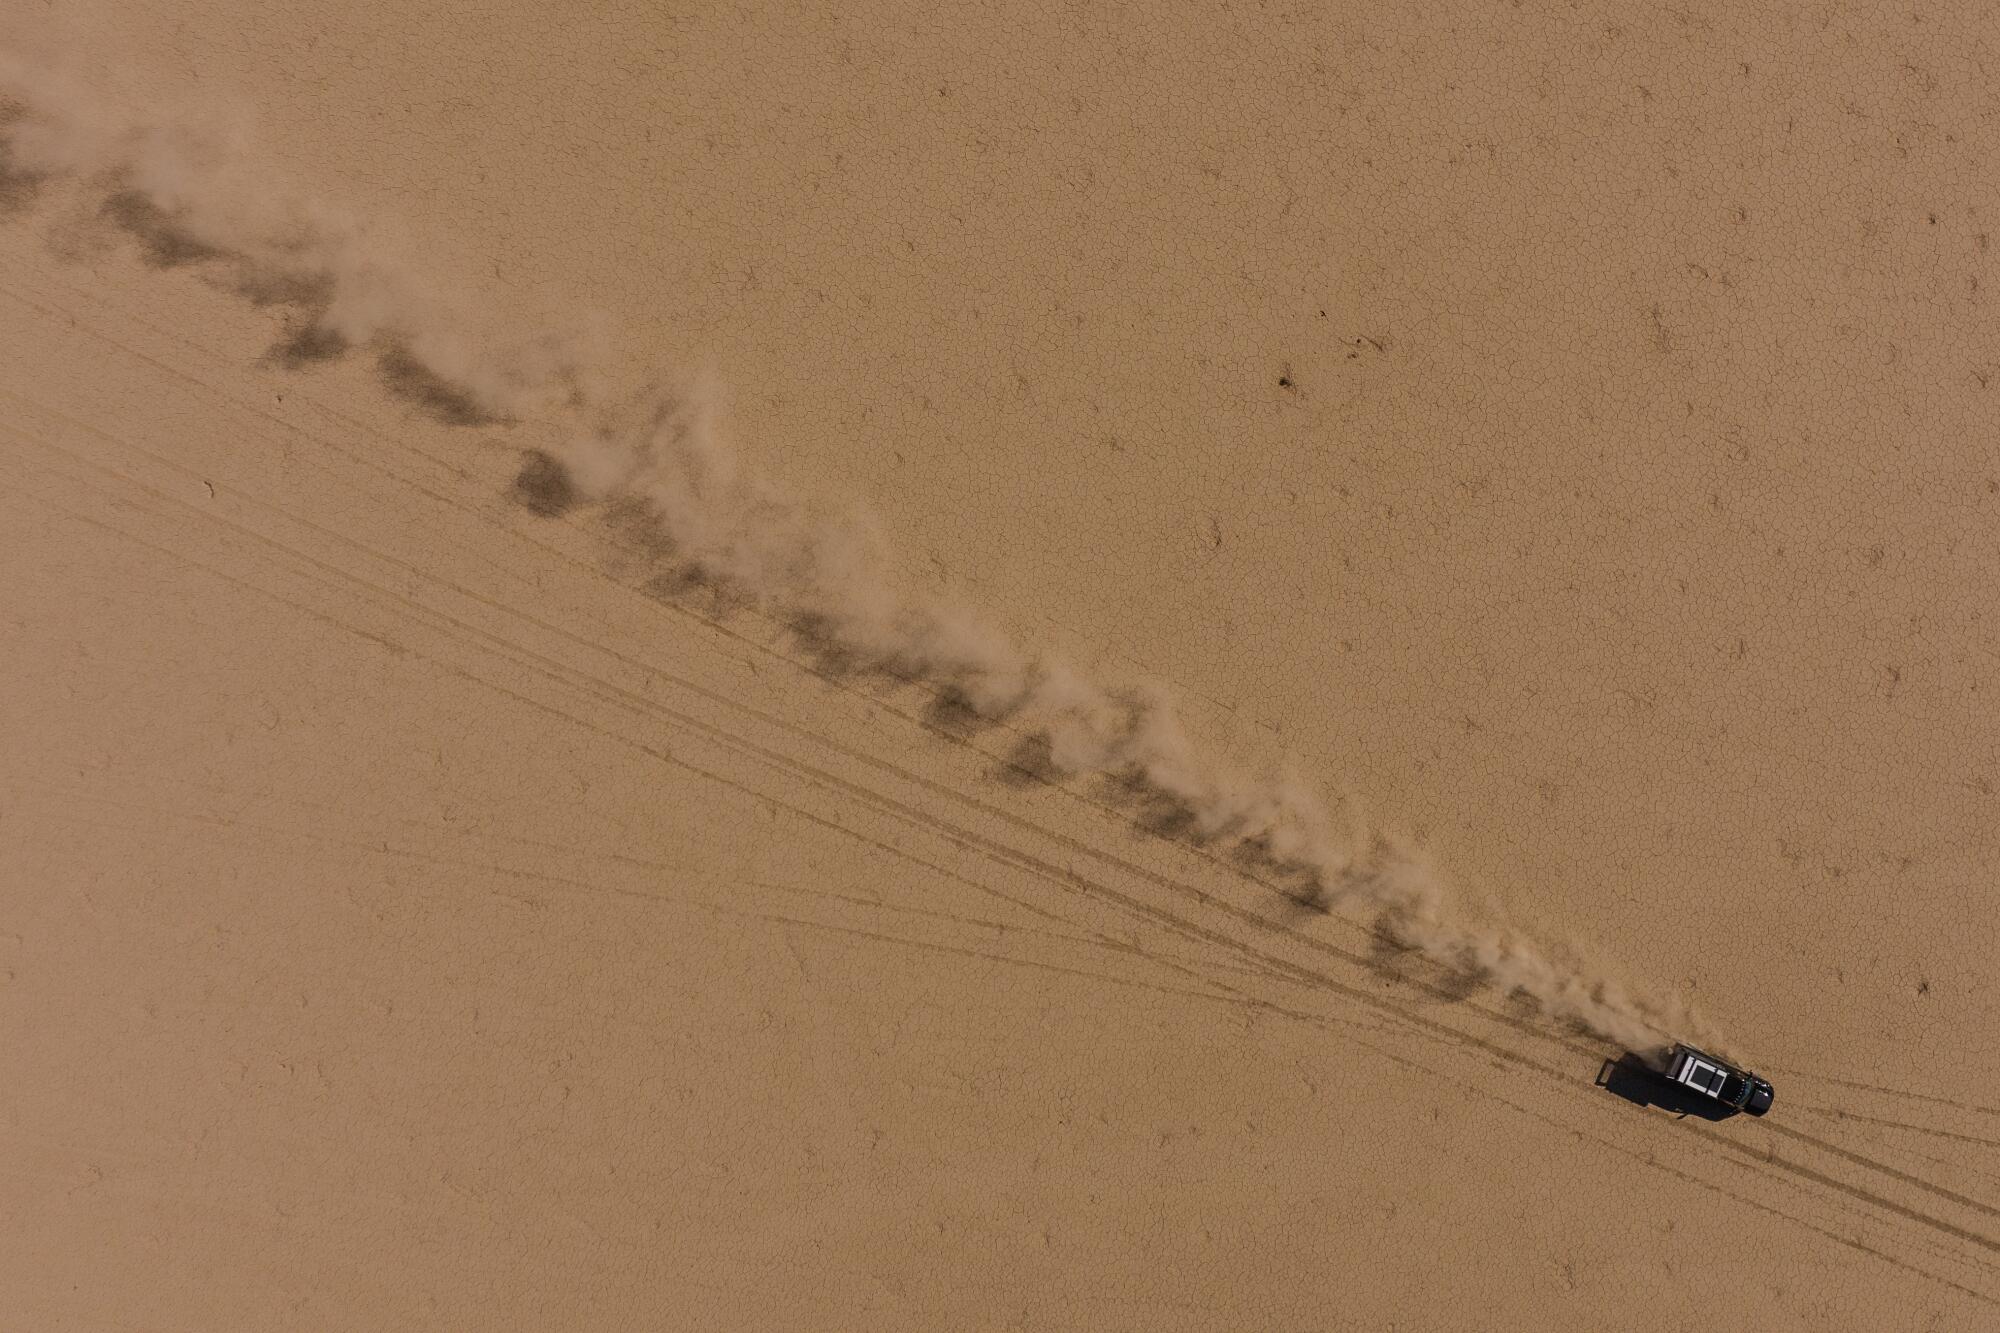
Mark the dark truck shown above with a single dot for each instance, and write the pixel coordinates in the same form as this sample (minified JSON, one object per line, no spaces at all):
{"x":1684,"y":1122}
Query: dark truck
{"x":1730,"y":1087}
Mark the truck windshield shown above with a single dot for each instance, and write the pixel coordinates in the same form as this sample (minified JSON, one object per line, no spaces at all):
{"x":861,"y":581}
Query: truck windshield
{"x":1734,"y":1089}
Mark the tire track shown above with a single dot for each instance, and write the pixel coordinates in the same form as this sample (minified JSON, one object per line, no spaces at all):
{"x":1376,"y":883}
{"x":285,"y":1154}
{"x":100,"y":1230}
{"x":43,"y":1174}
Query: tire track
{"x":619,"y":696}
{"x":515,"y":651}
{"x":1238,"y":945}
{"x":955,"y":833}
{"x":1437,"y":990}
{"x":654,"y":753}
{"x":1504,"y":1055}
{"x":321,"y":814}
{"x":568,"y":883}
{"x":1440,"y":987}
{"x":325,"y":813}
{"x":1900,"y":1094}
{"x":1437,"y":983}
{"x":1449,"y":1034}
{"x":1120,"y":815}
{"x":1906,"y":1125}
{"x":778,"y":919}
{"x":611,"y":692}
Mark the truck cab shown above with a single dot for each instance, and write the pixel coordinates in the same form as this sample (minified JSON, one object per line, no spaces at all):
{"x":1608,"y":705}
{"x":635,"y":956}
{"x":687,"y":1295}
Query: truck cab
{"x":1705,"y":1075}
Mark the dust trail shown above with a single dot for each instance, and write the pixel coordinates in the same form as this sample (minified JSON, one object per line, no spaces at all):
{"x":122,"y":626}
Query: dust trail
{"x":658,"y":458}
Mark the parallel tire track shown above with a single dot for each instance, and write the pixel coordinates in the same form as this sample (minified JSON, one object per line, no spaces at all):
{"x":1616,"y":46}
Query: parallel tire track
{"x":1276,"y":966}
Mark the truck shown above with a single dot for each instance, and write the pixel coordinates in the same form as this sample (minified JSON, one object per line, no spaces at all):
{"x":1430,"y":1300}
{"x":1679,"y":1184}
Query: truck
{"x":1705,"y":1075}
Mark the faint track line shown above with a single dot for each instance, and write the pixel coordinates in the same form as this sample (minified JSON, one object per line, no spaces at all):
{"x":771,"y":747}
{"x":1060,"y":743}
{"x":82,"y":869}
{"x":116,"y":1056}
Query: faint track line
{"x":1837,"y":1114}
{"x":1807,"y":1173}
{"x":1438,"y":1031}
{"x":1437,"y":991}
{"x":608,"y":691}
{"x":382,"y":848}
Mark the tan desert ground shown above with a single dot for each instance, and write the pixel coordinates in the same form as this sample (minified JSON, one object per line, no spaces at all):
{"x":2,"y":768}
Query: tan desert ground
{"x":1037,"y":666}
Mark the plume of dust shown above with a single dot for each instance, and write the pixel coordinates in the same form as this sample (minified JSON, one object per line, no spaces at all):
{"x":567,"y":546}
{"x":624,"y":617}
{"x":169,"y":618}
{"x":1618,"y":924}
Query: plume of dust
{"x":662,"y":452}
{"x":192,"y":192}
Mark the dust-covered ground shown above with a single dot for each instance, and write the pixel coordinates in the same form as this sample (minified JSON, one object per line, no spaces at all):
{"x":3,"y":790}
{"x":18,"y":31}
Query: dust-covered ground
{"x":1066,"y":669}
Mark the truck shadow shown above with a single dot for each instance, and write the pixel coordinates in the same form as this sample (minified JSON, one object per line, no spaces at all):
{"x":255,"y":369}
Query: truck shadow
{"x":1637,"y":1082}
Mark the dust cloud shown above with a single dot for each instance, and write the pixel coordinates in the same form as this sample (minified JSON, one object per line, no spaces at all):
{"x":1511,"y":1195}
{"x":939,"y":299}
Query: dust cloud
{"x":659,"y":456}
